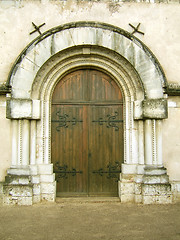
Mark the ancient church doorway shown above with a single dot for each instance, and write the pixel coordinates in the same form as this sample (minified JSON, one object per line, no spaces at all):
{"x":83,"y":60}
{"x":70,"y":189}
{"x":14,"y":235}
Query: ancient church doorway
{"x":87,"y":134}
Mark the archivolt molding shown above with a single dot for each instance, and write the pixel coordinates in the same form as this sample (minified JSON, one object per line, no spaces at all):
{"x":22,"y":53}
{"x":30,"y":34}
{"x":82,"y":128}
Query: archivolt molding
{"x":69,"y":35}
{"x":115,"y":66}
{"x":54,"y":69}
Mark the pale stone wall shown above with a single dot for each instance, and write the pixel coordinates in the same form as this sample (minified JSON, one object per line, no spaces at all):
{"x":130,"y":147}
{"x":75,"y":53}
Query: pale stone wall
{"x":171,"y":140}
{"x":159,"y":22}
{"x":5,"y":140}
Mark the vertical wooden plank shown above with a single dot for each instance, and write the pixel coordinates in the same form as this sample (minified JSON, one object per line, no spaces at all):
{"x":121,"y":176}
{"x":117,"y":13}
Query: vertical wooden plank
{"x":88,"y":145}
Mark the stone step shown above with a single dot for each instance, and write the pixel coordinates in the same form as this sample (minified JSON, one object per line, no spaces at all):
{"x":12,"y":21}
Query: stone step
{"x":155,"y":179}
{"x":17,"y":180}
{"x":156,"y":189}
{"x":19,"y":171}
{"x":18,"y":190}
{"x":154,"y":170}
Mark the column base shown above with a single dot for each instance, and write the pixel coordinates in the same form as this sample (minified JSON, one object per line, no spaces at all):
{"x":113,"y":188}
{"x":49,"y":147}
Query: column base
{"x":17,"y":188}
{"x":156,"y":188}
{"x":146,"y":184}
{"x":28,"y":185}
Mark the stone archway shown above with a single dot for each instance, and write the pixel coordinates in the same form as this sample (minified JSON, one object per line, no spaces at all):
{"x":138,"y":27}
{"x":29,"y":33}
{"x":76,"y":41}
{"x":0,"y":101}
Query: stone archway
{"x":137,"y":72}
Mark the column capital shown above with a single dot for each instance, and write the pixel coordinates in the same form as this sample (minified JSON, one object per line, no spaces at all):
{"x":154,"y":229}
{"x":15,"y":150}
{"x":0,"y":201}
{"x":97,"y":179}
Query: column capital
{"x":23,"y":109}
{"x":151,"y":109}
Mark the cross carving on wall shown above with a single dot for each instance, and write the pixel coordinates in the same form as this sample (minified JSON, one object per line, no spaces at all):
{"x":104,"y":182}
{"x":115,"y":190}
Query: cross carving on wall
{"x":136,"y":29}
{"x":37,"y":28}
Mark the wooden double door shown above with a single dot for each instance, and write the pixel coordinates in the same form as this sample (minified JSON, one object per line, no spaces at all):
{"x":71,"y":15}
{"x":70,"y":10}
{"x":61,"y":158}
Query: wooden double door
{"x":87,"y":134}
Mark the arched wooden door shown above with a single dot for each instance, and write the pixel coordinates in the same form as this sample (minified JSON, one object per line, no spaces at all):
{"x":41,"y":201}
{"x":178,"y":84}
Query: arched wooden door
{"x":87,"y":134}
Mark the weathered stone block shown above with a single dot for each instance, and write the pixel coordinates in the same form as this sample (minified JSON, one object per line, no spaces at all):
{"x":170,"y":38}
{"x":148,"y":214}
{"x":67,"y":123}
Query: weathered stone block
{"x":138,"y":188}
{"x":47,"y":178}
{"x":156,"y":189}
{"x":8,"y":200}
{"x":127,"y":177}
{"x":127,"y":188}
{"x":17,"y":179}
{"x":33,"y":169}
{"x":140,"y":169}
{"x":45,"y":169}
{"x":155,"y":170}
{"x":164,"y":199}
{"x":35,"y":179}
{"x":157,"y":199}
{"x":129,"y":168}
{"x":25,"y":201}
{"x":48,"y":188}
{"x":36,"y":198}
{"x":138,"y":110}
{"x":19,"y":109}
{"x":148,"y":199}
{"x":127,"y":198}
{"x":12,"y":179}
{"x":148,"y":189}
{"x":24,"y":180}
{"x":36,"y":189}
{"x":138,"y":198}
{"x":18,"y":171}
{"x":18,"y":190}
{"x":138,"y":178}
{"x":155,"y":109}
{"x":1,"y":188}
{"x":155,"y":179}
{"x":36,"y":109}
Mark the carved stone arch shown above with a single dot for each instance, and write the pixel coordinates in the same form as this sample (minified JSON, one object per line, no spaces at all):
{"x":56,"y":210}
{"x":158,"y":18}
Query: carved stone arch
{"x":83,"y":57}
{"x":86,"y":33}
{"x":98,"y":58}
{"x":74,"y":46}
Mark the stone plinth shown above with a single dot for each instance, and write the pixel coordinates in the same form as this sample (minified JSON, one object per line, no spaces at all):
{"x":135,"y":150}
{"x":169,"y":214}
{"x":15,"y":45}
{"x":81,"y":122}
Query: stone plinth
{"x":156,"y":188}
{"x":17,"y":189}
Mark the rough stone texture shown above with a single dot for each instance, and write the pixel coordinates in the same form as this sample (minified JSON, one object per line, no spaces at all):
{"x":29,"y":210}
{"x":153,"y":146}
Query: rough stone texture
{"x":17,"y":194}
{"x":155,"y":186}
{"x":17,"y":189}
{"x":23,"y":109}
{"x":151,"y":186}
{"x":155,"y":109}
{"x":18,"y":109}
{"x":26,"y":186}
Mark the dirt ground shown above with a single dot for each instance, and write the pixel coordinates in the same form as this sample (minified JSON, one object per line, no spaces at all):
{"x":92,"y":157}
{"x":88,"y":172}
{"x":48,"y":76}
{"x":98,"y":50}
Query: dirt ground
{"x":95,"y":219}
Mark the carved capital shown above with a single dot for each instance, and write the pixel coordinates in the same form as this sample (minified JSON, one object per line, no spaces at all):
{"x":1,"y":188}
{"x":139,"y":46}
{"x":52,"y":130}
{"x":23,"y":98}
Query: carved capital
{"x":155,"y":109}
{"x":22,"y":109}
{"x":150,"y":109}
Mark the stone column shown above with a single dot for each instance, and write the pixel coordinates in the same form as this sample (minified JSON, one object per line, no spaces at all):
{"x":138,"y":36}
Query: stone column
{"x":14,"y":142}
{"x":159,"y":142}
{"x":141,"y":141}
{"x":33,"y":143}
{"x":156,"y":187}
{"x":148,"y":142}
{"x":25,"y":142}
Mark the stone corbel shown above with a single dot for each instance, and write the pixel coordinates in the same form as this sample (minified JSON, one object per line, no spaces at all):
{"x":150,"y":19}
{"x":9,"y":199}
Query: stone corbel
{"x":150,"y":109}
{"x":23,"y":109}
